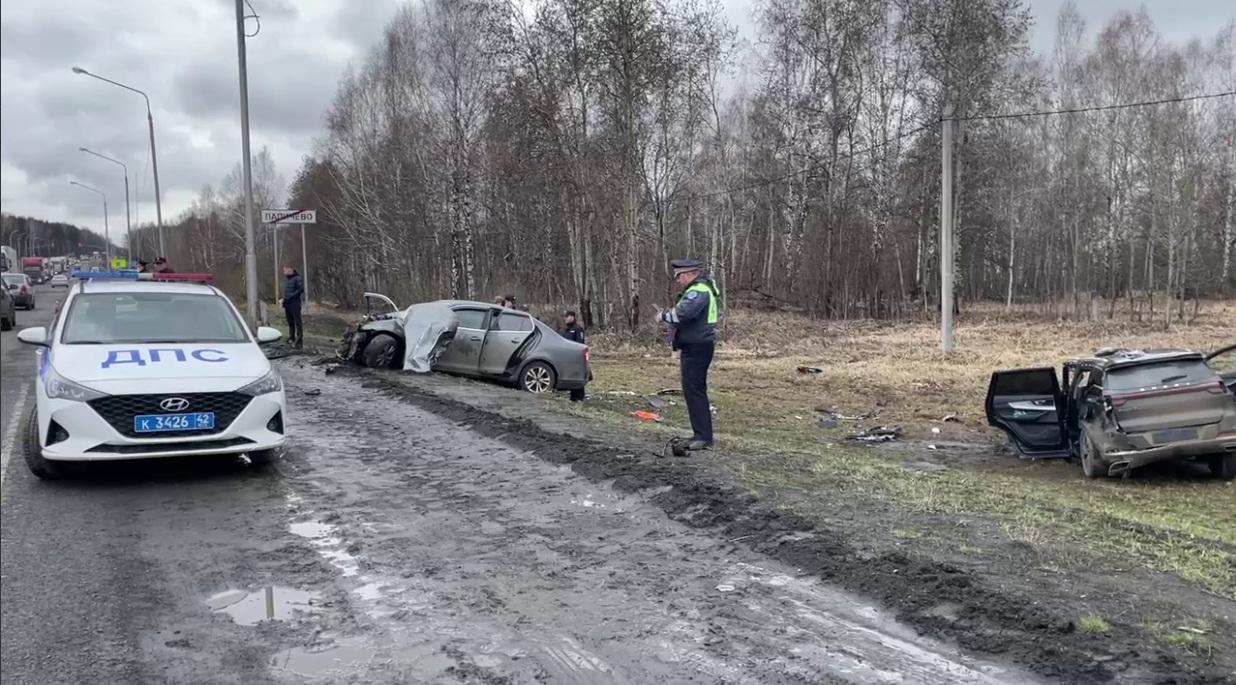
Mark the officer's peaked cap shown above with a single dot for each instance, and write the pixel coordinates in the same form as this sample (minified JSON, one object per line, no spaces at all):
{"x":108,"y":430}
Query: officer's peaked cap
{"x":685,"y":265}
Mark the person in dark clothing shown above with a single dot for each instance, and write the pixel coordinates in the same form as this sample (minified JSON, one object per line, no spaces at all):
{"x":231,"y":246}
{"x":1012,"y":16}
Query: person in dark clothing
{"x":143,"y":266}
{"x":293,"y":291}
{"x":694,"y":322}
{"x":571,"y":328}
{"x":162,"y":266}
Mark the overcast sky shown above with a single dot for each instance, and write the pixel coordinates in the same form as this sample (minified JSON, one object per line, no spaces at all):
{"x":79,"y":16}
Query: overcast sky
{"x":183,"y":54}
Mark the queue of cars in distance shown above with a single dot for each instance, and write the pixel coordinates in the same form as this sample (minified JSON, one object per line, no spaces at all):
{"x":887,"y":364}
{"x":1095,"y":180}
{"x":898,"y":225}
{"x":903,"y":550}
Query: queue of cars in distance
{"x":1120,"y":410}
{"x":134,"y":368}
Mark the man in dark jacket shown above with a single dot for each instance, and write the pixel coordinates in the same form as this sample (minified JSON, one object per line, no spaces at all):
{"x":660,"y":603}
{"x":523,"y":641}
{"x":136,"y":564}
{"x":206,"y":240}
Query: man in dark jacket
{"x":293,"y":291}
{"x":571,"y":329}
{"x":694,"y":321}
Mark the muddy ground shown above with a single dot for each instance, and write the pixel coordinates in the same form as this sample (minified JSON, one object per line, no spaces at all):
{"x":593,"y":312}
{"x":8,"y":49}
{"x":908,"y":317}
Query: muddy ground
{"x":1021,"y":614}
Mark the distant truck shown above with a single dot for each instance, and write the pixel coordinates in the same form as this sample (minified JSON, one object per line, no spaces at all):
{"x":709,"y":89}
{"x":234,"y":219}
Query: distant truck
{"x":59,"y":265}
{"x":33,"y":268}
{"x":8,"y":258}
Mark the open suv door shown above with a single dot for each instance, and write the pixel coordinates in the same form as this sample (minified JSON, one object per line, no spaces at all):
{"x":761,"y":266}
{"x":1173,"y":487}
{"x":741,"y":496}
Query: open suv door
{"x":1223,"y":361}
{"x":1028,"y":405}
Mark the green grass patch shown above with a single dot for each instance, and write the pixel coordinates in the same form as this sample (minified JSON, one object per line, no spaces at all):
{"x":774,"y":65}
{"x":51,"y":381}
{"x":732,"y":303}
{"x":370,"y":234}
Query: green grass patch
{"x":1191,"y":640}
{"x":1093,"y":623}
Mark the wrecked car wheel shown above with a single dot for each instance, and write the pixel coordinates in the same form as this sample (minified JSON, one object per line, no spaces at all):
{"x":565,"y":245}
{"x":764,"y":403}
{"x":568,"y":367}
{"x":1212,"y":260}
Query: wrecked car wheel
{"x":380,"y":352}
{"x":1092,"y":464}
{"x":1223,"y":466}
{"x":537,"y":378}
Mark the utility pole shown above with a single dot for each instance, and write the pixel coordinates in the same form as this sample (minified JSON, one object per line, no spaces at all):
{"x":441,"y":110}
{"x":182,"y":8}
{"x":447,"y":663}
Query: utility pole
{"x":250,"y":248}
{"x":946,"y":232}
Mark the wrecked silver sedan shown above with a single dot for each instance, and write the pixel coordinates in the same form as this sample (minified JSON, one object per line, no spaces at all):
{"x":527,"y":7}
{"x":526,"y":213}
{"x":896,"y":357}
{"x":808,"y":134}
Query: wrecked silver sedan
{"x":468,"y":339}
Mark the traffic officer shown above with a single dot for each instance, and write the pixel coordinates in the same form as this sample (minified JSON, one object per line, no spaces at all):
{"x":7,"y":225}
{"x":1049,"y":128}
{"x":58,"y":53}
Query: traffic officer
{"x":694,"y":323}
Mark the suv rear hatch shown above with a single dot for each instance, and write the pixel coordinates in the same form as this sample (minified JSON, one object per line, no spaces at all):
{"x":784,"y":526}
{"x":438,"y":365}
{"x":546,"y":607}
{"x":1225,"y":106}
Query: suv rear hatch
{"x":1167,"y":398}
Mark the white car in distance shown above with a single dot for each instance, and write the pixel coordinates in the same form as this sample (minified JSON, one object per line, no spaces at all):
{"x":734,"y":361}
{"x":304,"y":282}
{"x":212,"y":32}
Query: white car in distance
{"x":133,"y":368}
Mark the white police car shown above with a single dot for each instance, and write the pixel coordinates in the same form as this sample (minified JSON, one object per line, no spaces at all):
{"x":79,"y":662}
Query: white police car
{"x":133,"y":369}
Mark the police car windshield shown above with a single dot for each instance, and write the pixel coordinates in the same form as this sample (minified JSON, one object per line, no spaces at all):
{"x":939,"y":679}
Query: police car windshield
{"x":154,"y":317}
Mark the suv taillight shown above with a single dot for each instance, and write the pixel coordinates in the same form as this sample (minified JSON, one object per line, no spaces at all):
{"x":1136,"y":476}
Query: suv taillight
{"x":22,"y":289}
{"x":585,"y":355}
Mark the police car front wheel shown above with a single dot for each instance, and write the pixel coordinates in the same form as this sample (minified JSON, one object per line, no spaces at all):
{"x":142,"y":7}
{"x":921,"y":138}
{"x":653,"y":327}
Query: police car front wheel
{"x":38,"y":465}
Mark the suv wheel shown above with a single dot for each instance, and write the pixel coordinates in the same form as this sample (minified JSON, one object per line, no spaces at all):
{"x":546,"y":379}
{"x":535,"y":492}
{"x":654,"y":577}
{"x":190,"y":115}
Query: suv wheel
{"x":38,"y":465}
{"x":1092,"y":464}
{"x":538,"y":378}
{"x":1223,"y":466}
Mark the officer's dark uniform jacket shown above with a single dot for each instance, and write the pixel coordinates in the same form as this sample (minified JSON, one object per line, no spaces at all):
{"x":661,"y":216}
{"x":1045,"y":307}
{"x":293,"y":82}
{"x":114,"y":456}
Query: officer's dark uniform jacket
{"x":696,"y":315}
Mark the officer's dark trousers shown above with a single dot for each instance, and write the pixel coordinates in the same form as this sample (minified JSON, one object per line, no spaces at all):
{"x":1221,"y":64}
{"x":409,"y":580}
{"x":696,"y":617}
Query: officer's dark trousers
{"x":695,"y":360}
{"x":296,"y":327}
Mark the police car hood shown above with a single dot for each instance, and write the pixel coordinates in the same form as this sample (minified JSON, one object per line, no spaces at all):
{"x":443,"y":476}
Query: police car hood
{"x":212,"y":367}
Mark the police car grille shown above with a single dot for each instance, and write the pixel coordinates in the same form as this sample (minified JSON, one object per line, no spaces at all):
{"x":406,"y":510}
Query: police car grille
{"x":119,"y":410}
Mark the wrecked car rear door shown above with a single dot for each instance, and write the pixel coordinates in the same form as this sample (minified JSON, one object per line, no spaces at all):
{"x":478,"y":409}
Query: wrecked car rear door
{"x":1028,"y":406}
{"x":507,"y":333}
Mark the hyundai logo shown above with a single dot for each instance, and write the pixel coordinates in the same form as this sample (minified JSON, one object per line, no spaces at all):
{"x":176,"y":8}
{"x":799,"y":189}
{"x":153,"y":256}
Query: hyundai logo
{"x":174,"y":404}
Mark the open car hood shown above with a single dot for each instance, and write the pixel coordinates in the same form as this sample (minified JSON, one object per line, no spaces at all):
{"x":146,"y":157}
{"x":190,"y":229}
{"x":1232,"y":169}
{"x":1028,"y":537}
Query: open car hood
{"x":427,"y":329}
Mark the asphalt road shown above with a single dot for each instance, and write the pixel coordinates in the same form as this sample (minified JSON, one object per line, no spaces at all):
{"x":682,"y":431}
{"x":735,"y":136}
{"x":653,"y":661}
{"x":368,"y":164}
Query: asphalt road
{"x":391,"y":544}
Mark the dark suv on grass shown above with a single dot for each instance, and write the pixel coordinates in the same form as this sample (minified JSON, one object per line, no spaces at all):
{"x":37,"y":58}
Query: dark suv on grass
{"x":1122,"y":409}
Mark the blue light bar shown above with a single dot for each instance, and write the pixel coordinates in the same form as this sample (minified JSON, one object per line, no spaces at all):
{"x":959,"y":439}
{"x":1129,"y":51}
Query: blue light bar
{"x":108,"y":275}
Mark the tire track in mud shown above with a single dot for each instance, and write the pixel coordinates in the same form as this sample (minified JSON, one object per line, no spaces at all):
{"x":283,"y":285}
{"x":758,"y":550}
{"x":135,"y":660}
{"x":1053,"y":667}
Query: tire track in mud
{"x":470,"y":559}
{"x":935,"y":598}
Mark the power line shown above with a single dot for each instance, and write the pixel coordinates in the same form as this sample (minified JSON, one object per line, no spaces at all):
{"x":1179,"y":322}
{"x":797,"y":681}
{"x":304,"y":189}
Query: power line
{"x":1100,"y":108}
{"x":785,"y":177}
{"x":920,"y":129}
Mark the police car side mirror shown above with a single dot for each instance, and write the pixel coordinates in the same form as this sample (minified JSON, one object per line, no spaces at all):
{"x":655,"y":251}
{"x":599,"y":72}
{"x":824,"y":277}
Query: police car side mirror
{"x":33,"y":336}
{"x":266,"y":334}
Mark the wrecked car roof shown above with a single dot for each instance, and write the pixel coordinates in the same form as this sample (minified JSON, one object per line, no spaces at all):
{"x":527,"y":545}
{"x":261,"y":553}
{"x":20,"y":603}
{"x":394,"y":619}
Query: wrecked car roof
{"x":1118,"y":358}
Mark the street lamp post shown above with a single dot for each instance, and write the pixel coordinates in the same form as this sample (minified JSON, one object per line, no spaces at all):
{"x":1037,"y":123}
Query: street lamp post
{"x":107,"y":236}
{"x":250,"y":250}
{"x":154,"y":159}
{"x":127,"y":221}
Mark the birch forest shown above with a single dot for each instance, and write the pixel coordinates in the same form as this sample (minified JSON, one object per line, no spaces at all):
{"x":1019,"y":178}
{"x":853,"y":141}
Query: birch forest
{"x":565,"y":150}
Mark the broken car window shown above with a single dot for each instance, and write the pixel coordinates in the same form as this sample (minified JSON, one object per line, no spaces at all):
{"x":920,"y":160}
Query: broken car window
{"x":1153,"y":375}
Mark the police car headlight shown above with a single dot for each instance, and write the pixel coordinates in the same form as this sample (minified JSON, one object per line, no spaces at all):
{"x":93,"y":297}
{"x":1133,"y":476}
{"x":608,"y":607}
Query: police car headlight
{"x":266,"y":384}
{"x":60,"y":388}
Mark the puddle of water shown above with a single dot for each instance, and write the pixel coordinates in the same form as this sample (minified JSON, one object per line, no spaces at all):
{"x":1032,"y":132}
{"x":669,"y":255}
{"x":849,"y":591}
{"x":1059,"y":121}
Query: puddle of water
{"x":311,"y":529}
{"x":271,"y":603}
{"x":345,"y":656}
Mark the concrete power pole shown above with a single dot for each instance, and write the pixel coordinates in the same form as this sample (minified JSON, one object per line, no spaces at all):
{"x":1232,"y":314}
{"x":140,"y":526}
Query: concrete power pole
{"x":946,"y":233}
{"x":251,"y":284}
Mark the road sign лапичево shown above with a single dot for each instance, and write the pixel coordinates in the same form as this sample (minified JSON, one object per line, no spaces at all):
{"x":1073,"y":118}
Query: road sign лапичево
{"x":289,"y":216}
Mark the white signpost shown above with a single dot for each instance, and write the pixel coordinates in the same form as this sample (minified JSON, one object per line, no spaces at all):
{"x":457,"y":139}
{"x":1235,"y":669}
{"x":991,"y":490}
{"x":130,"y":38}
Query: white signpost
{"x":276,"y":217}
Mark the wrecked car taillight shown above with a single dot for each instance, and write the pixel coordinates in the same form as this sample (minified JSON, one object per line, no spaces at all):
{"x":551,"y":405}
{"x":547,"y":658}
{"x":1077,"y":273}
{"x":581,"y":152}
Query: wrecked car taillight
{"x":586,"y":357}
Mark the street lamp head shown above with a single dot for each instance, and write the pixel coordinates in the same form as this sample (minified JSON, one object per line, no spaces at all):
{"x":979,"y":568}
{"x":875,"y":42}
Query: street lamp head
{"x":82,"y":149}
{"x":79,"y":70}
